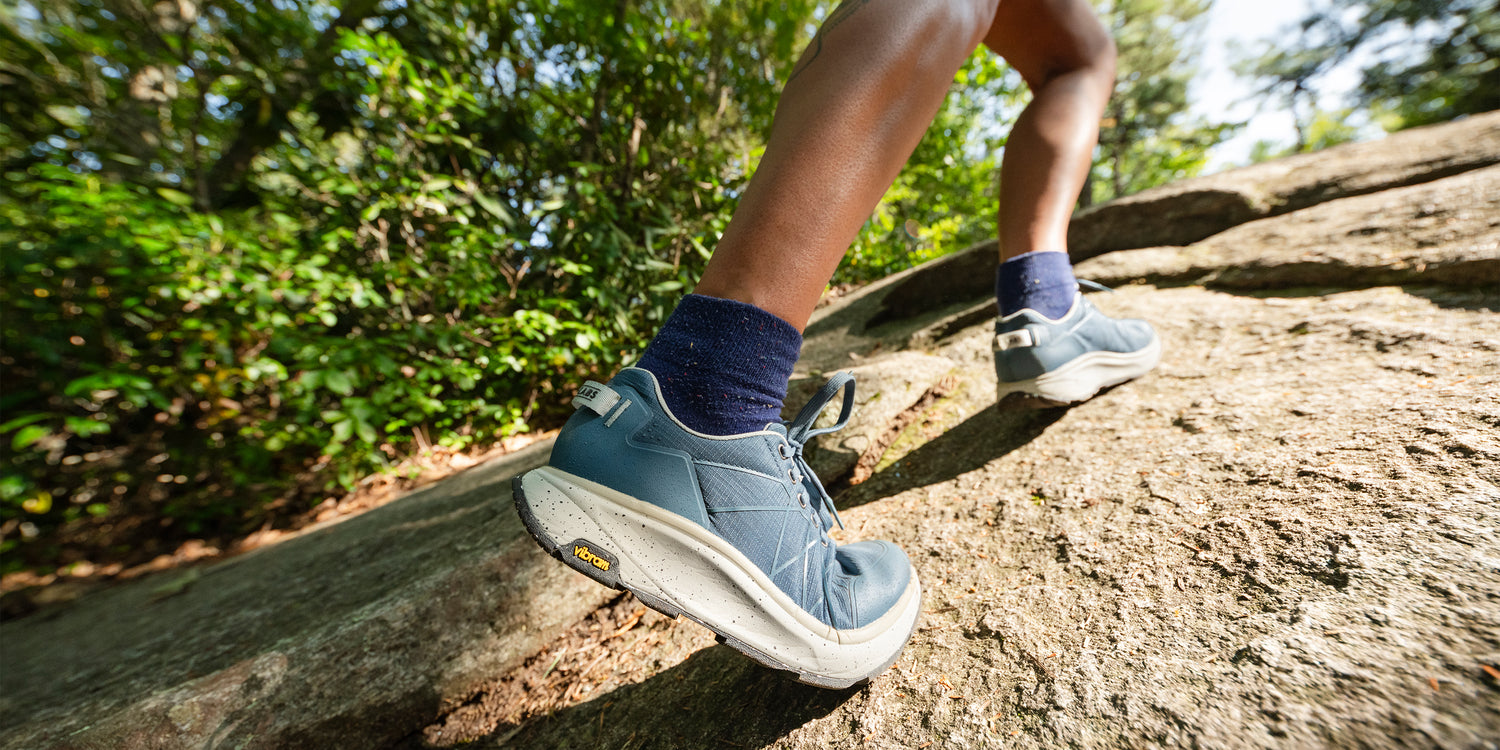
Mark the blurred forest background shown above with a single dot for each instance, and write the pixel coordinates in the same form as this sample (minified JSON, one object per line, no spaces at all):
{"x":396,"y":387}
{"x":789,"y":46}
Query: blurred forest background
{"x":257,"y":250}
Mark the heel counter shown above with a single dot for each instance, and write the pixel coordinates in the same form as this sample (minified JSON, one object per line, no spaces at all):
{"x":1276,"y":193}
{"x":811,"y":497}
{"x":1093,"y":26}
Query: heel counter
{"x":604,"y":449}
{"x":1015,"y":365}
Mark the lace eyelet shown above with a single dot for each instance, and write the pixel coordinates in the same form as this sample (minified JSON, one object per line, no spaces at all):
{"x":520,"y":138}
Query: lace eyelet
{"x":794,"y":476}
{"x":783,"y":451}
{"x":802,"y":499}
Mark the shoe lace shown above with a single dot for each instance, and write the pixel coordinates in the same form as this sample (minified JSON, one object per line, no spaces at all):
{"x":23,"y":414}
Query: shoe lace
{"x":801,"y":430}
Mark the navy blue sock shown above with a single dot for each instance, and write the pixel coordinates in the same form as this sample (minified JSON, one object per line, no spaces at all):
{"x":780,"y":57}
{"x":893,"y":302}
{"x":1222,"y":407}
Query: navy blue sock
{"x":1041,"y":280}
{"x":723,"y":365}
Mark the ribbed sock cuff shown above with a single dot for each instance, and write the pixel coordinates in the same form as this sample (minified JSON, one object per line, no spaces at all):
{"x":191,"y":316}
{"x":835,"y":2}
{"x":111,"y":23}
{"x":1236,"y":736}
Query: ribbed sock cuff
{"x":723,"y":365}
{"x":1042,"y":281}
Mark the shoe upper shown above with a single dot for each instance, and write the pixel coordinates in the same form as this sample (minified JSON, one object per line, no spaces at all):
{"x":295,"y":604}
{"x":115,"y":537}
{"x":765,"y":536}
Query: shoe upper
{"x":1028,"y":344}
{"x":754,"y":490}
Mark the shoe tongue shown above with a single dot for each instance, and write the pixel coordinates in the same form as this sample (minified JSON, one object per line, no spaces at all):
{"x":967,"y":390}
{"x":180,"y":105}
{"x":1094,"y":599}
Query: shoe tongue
{"x":777,"y":428}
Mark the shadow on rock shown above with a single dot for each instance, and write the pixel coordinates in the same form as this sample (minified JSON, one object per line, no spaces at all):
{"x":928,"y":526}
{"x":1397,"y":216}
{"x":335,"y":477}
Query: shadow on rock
{"x":1473,"y":299}
{"x":984,"y":437}
{"x":1478,"y":300}
{"x":715,"y":698}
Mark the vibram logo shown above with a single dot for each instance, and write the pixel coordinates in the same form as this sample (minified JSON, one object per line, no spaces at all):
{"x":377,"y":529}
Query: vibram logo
{"x":583,"y":553}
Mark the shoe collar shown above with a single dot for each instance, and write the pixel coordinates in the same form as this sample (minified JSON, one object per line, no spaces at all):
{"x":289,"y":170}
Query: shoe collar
{"x":1074,"y":309}
{"x":646,"y":382}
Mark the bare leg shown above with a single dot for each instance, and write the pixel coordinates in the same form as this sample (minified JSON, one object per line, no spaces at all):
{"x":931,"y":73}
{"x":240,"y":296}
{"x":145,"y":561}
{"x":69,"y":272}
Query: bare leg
{"x":1068,"y":60}
{"x":863,"y":94}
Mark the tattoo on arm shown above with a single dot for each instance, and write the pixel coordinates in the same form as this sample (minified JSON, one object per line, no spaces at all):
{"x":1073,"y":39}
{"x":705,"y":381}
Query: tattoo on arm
{"x":840,"y":14}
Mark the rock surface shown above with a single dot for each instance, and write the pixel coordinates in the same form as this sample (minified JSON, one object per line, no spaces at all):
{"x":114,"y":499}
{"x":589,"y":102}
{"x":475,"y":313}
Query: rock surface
{"x":1441,"y":232}
{"x":1185,"y":212}
{"x":347,"y":636}
{"x":1284,"y":536}
{"x":884,"y":390}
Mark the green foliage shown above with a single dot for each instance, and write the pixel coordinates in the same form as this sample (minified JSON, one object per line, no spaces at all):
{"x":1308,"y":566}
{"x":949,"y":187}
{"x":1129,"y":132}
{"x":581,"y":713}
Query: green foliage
{"x":301,"y":241}
{"x":945,"y":198}
{"x":1424,"y":61}
{"x":250,"y":247}
{"x":1147,"y":137}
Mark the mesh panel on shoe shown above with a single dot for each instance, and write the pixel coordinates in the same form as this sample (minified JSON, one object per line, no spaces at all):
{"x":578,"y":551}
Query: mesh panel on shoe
{"x":728,"y":489}
{"x":786,"y":546}
{"x":764,"y":536}
{"x":787,"y":539}
{"x":730,"y":452}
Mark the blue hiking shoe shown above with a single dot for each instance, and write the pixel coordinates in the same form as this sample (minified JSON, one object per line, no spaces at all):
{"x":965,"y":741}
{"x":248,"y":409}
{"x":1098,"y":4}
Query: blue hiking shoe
{"x":730,"y":531}
{"x":1069,"y":360}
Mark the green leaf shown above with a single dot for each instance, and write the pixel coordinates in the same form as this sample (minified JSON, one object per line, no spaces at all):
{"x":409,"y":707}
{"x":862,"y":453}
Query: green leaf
{"x":493,"y":206}
{"x":338,"y":381}
{"x":22,"y":421}
{"x":176,"y":197}
{"x":27,"y":436}
{"x":11,"y":486}
{"x":85,"y":427}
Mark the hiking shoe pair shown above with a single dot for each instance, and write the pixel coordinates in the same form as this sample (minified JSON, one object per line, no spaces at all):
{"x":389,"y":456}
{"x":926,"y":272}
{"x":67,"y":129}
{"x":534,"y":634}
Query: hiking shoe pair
{"x":1068,"y":360}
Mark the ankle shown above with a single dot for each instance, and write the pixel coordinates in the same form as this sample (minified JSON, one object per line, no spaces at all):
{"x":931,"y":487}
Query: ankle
{"x":723,"y":365}
{"x":1041,"y":281}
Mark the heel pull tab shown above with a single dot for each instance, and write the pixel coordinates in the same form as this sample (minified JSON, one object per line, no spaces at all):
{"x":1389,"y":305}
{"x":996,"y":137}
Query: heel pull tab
{"x":1014,"y":340}
{"x":597,"y":397}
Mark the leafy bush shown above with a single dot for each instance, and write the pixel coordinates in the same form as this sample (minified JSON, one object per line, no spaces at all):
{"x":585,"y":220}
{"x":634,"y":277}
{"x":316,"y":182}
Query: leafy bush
{"x":293,"y":264}
{"x":165,"y":362}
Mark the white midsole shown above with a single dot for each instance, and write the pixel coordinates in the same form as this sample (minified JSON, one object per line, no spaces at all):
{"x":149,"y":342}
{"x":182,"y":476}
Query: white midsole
{"x":690,"y":567}
{"x":1087,"y":374}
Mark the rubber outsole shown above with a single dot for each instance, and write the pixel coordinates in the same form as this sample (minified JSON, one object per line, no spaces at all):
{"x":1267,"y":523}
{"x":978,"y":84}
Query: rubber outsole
{"x":609,"y":577}
{"x":1060,"y":387}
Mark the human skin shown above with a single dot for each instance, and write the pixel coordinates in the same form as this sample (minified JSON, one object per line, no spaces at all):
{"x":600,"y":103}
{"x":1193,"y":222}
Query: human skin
{"x":858,"y":102}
